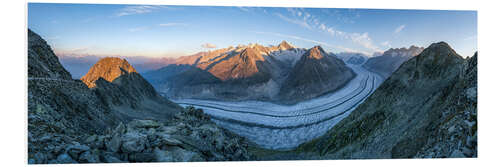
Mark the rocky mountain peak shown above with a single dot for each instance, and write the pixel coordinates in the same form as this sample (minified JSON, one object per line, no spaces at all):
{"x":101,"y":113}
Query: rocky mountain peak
{"x":439,"y":53}
{"x":284,"y":45}
{"x":109,"y":69}
{"x":315,"y":52}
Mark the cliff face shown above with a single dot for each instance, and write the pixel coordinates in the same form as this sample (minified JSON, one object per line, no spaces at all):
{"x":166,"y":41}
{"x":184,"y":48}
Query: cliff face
{"x":426,"y":108}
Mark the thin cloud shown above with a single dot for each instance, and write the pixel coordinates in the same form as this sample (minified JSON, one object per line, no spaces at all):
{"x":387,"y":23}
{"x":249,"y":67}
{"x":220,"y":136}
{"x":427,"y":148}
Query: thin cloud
{"x":209,"y":46}
{"x":295,"y":37}
{"x":312,"y":41}
{"x":172,"y":24}
{"x":245,"y":9}
{"x":399,"y":29}
{"x":311,"y":21}
{"x":386,"y":44}
{"x":302,"y":23}
{"x":133,"y":10}
{"x":364,"y":40}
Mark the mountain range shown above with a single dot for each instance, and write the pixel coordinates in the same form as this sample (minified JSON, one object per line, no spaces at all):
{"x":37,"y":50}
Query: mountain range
{"x":253,"y":72}
{"x":391,"y":59}
{"x":427,"y":108}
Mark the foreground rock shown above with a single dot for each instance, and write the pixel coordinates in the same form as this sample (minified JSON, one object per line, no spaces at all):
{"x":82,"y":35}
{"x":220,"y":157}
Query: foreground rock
{"x":189,"y":137}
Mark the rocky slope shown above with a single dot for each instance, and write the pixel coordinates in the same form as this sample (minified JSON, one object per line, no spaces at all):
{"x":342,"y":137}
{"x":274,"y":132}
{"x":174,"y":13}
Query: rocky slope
{"x":426,"y":108}
{"x":71,"y":123}
{"x":314,"y":74}
{"x":251,"y":72}
{"x":391,"y":59}
{"x":42,"y":61}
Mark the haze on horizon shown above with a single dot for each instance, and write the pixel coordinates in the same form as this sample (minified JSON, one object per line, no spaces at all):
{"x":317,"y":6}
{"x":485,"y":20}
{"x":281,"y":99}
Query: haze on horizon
{"x":172,"y":31}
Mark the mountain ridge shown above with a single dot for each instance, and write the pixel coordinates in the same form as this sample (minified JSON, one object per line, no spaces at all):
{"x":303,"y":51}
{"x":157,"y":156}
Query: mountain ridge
{"x":245,"y":72}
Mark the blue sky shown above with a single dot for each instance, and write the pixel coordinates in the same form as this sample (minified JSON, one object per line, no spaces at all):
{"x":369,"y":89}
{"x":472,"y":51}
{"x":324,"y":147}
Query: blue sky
{"x":172,"y":31}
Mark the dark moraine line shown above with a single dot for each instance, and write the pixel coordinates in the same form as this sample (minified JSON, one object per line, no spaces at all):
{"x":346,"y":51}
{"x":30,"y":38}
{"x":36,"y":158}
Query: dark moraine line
{"x":286,"y":116}
{"x":294,"y":126}
{"x":214,"y":105}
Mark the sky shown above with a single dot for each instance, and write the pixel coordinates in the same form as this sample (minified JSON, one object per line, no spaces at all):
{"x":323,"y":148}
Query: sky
{"x":173,"y":31}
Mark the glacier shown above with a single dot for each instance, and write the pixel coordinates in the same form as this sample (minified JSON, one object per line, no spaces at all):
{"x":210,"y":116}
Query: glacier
{"x":284,"y":127}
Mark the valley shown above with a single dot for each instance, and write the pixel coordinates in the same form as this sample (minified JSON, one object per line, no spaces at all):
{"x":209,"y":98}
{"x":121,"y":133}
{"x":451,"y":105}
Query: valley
{"x":276,"y":126}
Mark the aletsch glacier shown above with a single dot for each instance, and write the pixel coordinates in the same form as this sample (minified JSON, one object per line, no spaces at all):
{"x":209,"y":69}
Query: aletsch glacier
{"x":284,"y":127}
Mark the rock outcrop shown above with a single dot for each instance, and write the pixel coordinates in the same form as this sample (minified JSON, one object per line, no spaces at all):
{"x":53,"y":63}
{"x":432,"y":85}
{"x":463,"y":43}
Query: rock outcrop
{"x":109,"y":69}
{"x":119,"y":86}
{"x":426,"y":108}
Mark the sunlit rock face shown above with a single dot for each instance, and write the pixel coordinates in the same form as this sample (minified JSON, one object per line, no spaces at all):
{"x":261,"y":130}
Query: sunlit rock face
{"x":252,"y":72}
{"x":109,"y":69}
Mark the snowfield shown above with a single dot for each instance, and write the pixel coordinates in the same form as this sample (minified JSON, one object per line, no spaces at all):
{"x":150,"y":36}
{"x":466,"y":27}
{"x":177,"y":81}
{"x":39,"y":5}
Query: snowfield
{"x":283,"y":127}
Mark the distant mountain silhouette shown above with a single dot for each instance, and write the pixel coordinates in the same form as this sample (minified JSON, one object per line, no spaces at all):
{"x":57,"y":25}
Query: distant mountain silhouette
{"x":391,"y":59}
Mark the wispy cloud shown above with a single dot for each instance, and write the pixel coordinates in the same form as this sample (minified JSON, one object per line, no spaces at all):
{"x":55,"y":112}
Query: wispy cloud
{"x":364,"y":40}
{"x":208,"y":45}
{"x":312,"y":41}
{"x":386,"y":44}
{"x":295,"y":37}
{"x":302,"y":23}
{"x":133,"y":10}
{"x":245,"y":9}
{"x":313,"y":23}
{"x":172,"y":24}
{"x":399,"y":29}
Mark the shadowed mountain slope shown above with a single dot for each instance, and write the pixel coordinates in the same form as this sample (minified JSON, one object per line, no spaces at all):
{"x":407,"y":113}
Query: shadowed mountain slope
{"x":426,"y":108}
{"x":314,"y":74}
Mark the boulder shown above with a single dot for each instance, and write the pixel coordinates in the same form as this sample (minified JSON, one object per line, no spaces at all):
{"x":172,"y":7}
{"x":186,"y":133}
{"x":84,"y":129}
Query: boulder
{"x":114,"y":144}
{"x":133,"y":142}
{"x":88,"y":157}
{"x":64,"y":159}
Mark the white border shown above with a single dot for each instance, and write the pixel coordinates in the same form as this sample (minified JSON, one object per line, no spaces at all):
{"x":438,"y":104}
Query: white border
{"x":13,"y":68}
